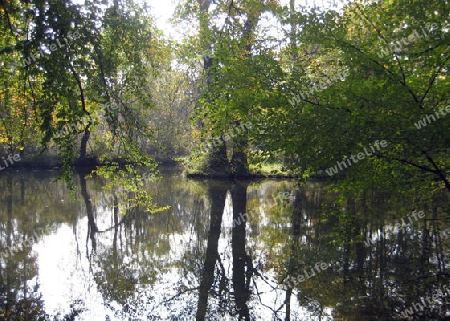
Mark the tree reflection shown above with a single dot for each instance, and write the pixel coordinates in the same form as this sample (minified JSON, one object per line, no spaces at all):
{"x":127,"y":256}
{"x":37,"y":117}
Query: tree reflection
{"x":217,"y":195}
{"x":242,"y":262}
{"x":92,"y":227}
{"x":20,"y":298}
{"x":201,"y":261}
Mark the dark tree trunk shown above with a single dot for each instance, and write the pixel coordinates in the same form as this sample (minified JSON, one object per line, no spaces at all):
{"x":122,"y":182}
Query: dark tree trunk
{"x":218,"y":163}
{"x":242,"y":263}
{"x":217,"y":195}
{"x":92,"y":228}
{"x":293,"y":260}
{"x":239,"y":163}
{"x":83,"y":146}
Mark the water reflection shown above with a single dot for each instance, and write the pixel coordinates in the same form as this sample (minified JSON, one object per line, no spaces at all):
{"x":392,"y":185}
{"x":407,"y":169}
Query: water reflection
{"x":224,"y":251}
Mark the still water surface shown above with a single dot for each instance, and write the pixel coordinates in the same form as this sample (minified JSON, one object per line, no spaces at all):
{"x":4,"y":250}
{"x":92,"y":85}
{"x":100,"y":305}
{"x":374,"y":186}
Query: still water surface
{"x":288,"y":258}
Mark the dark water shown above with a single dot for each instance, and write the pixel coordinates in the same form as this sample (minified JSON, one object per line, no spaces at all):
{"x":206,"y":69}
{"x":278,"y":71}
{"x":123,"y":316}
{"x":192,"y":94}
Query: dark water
{"x":294,"y":255}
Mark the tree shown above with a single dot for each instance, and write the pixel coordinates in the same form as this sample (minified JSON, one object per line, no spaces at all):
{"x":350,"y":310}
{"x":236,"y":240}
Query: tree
{"x":237,"y":51}
{"x":349,"y":94}
{"x":80,"y":71}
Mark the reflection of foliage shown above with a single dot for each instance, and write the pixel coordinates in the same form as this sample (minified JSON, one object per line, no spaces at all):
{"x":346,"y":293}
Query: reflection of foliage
{"x":31,"y":308}
{"x":153,"y":263}
{"x":131,"y":184}
{"x":364,"y":282}
{"x":75,"y":310}
{"x":348,"y":229}
{"x":130,"y":280}
{"x":116,"y":281}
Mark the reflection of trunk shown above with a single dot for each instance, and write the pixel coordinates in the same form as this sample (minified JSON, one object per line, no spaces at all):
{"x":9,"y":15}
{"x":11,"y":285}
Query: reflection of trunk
{"x":293,"y":260}
{"x":9,"y":202}
{"x":217,"y":195}
{"x":116,"y":230}
{"x":116,"y":224}
{"x":241,"y":278}
{"x":8,"y":288}
{"x":381,"y":253}
{"x":22,"y":190}
{"x":92,"y":228}
{"x":359,"y":247}
{"x":440,"y":256}
{"x":426,"y":255}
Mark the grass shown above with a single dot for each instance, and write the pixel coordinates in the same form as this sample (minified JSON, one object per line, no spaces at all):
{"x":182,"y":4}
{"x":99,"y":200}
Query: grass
{"x":269,"y":170}
{"x":196,"y":168}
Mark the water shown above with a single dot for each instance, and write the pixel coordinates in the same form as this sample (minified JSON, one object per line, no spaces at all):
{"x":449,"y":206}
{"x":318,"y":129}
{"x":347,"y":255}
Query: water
{"x":253,"y":250}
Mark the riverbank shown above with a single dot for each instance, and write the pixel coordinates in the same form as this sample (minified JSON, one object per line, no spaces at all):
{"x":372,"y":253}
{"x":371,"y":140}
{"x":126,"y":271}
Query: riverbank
{"x":274,"y":171}
{"x":46,"y":162}
{"x":54,"y":162}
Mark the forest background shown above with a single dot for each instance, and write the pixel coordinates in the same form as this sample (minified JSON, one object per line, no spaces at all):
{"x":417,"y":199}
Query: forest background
{"x":269,"y":64}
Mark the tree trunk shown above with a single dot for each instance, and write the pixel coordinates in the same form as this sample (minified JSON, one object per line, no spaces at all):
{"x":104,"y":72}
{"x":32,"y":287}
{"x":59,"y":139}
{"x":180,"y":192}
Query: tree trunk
{"x":217,"y":161}
{"x":239,"y":163}
{"x":83,"y":146}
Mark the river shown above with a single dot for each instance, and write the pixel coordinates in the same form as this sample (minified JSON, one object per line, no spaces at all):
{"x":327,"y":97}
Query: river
{"x":225,"y":250}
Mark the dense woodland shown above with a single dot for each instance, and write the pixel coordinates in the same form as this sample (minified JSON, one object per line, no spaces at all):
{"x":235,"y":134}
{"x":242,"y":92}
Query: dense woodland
{"x":295,"y":87}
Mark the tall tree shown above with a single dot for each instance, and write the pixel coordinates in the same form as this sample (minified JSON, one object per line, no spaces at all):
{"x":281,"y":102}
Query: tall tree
{"x":79,"y":71}
{"x":373,"y":72}
{"x":233,"y":92}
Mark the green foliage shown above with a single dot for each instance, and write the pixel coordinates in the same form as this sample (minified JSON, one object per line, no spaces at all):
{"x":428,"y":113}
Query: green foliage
{"x":380,"y":98}
{"x":128,"y":185}
{"x":67,"y":65}
{"x":234,"y":56}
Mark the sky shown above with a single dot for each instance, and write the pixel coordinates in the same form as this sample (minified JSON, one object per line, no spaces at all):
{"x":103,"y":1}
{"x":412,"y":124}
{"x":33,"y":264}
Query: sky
{"x":163,"y":11}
